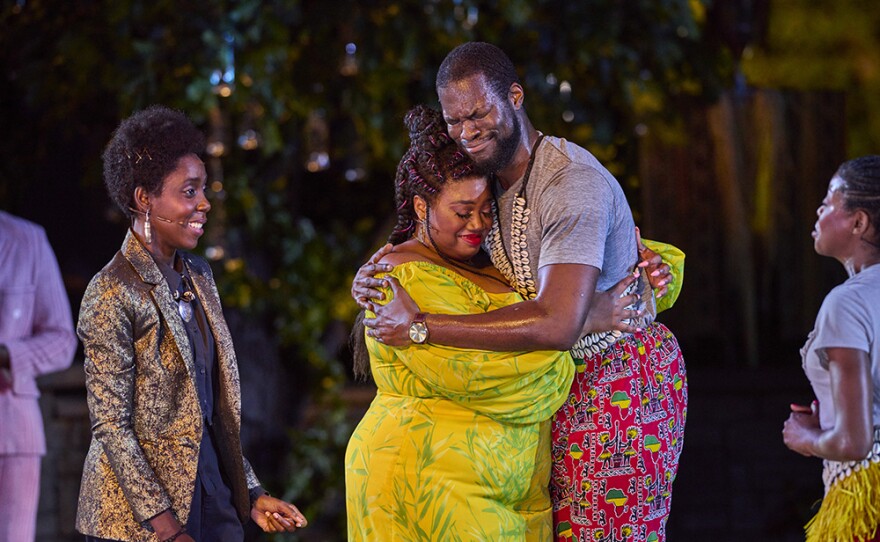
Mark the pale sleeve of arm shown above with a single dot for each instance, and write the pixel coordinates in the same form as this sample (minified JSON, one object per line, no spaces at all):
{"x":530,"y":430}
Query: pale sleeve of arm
{"x":250,"y":476}
{"x":106,"y":330}
{"x":844,"y":322}
{"x":674,"y":258}
{"x":52,"y":344}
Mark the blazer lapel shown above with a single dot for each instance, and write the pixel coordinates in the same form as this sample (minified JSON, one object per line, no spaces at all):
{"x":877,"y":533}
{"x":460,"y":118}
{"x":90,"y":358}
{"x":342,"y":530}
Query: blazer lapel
{"x":210,"y":300}
{"x":229,"y":404}
{"x":146,"y":267}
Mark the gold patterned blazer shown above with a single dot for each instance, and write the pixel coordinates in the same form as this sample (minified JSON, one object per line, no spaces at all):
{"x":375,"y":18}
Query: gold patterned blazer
{"x":143,"y":403}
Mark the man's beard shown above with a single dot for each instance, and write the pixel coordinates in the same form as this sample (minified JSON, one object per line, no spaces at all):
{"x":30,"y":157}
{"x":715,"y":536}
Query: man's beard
{"x":503,"y":155}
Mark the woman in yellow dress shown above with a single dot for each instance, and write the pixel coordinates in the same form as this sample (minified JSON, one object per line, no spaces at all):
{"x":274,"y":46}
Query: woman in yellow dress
{"x":455,"y":445}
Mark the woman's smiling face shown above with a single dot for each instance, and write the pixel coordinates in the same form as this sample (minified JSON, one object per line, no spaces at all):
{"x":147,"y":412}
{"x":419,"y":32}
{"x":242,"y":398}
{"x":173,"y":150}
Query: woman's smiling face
{"x":179,"y":211}
{"x":460,"y":216}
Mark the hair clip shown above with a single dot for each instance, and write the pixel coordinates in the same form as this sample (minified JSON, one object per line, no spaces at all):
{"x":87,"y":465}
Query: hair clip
{"x":141,"y":156}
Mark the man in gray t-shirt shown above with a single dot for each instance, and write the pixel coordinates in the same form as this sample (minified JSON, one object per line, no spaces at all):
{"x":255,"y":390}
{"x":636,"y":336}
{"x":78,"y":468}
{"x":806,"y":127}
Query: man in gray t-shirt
{"x":574,"y":232}
{"x":578,"y":213}
{"x":563,"y":230}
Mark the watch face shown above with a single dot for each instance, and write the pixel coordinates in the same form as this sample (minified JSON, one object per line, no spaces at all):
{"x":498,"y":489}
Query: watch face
{"x":418,"y":332}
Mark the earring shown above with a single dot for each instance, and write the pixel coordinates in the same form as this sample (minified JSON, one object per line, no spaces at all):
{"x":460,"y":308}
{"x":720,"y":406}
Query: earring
{"x":148,"y":235}
{"x":422,"y":228}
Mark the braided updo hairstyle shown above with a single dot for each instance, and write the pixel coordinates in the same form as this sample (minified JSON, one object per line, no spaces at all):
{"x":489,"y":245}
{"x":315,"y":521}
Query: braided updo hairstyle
{"x":432,"y":160}
{"x":862,"y":189}
{"x":144,"y":149}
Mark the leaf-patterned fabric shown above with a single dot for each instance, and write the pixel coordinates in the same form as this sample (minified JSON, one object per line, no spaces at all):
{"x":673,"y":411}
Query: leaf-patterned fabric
{"x":456,"y":444}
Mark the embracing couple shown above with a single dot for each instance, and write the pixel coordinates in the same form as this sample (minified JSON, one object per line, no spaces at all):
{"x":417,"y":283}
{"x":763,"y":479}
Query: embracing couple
{"x":525,"y":391}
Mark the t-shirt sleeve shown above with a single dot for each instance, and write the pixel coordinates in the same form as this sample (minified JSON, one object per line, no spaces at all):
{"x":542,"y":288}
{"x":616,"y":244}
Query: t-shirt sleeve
{"x":843,"y":322}
{"x":576,"y":214}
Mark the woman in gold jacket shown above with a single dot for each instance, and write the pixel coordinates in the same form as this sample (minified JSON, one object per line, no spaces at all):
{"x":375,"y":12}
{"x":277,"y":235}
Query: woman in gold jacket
{"x":165,"y":462}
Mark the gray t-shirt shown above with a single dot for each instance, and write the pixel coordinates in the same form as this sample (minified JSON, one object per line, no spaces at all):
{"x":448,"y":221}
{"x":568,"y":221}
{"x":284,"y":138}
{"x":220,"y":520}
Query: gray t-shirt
{"x":578,"y":213}
{"x":849,"y":318}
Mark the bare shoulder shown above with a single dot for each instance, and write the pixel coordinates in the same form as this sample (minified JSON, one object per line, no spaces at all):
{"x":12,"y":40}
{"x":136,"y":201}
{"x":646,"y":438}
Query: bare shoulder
{"x":403,"y":253}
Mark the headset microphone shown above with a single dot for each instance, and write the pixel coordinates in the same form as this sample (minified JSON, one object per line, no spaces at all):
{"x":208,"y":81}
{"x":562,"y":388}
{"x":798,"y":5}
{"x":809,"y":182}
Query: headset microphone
{"x":162,"y":218}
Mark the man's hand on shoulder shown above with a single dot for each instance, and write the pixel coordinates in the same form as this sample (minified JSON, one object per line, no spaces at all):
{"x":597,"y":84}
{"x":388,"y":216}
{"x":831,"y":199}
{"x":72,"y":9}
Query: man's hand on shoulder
{"x":365,"y":287}
{"x":392,"y":321}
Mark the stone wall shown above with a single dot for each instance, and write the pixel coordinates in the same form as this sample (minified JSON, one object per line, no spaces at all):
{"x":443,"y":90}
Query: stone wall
{"x":66,"y":417}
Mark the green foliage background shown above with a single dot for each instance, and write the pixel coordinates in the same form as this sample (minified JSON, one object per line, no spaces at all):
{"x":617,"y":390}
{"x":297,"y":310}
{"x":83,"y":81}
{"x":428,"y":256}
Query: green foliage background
{"x":599,"y":73}
{"x":813,"y":45}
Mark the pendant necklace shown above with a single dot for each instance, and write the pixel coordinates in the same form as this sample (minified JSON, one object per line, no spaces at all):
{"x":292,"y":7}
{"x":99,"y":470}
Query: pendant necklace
{"x":514,"y":265}
{"x":184,"y":299}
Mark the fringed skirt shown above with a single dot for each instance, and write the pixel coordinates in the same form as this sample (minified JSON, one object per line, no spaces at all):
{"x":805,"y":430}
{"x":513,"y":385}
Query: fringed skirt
{"x":850,"y":511}
{"x":617,"y":441}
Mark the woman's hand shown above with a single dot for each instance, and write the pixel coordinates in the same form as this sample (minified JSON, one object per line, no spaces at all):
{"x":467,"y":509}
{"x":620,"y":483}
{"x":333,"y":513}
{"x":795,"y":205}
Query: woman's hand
{"x":165,"y":525}
{"x":608,"y":309}
{"x":801,"y":429}
{"x":659,"y":273}
{"x":849,"y":437}
{"x":392,"y":321}
{"x":276,"y":516}
{"x":365,"y":287}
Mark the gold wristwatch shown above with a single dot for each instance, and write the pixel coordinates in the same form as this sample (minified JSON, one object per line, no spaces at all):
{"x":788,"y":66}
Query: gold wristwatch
{"x":418,"y":329}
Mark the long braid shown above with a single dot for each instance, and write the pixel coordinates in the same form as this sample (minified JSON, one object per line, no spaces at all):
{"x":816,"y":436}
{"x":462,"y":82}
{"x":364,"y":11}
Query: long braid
{"x":432,"y":160}
{"x":403,"y":204}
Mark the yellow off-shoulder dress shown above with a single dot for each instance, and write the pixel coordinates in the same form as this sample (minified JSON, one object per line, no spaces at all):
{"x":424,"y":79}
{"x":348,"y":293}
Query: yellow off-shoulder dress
{"x":456,"y":444}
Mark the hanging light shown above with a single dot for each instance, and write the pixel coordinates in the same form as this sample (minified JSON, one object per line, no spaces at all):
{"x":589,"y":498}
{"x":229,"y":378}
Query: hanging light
{"x":223,"y":79}
{"x":565,"y":96}
{"x":215,"y":148}
{"x":215,"y":252}
{"x":317,"y":141}
{"x":349,"y":66}
{"x":249,"y":140}
{"x":470,"y":21}
{"x":355,"y":174}
{"x":565,"y":90}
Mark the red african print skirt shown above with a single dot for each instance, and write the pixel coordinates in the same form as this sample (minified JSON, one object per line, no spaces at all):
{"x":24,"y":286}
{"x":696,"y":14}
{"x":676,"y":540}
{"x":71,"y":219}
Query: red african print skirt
{"x":617,"y":441}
